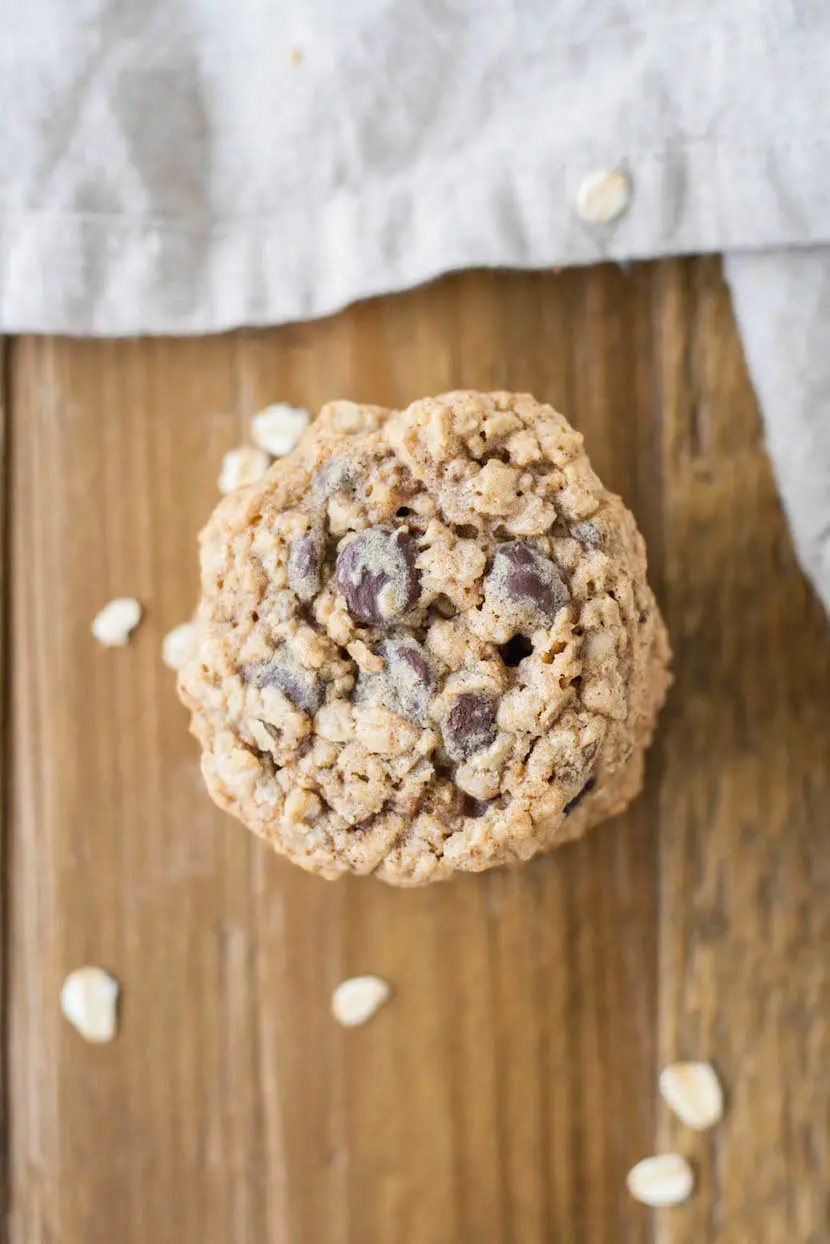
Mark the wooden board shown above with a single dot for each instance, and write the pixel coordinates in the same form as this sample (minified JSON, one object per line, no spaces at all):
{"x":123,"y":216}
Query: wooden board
{"x":505,"y":1091}
{"x":4,"y":780}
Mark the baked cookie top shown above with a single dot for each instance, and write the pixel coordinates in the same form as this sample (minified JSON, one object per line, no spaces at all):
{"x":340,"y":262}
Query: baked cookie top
{"x":425,"y":640}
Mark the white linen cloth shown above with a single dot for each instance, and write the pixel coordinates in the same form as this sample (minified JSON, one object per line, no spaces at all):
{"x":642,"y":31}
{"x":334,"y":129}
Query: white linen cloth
{"x":184,"y":166}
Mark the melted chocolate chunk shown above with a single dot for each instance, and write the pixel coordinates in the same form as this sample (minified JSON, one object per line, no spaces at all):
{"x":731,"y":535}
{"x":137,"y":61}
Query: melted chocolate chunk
{"x":470,"y":725}
{"x":579,"y":796}
{"x":587,"y":535}
{"x":302,"y":687}
{"x":410,"y":676}
{"x":305,"y":564}
{"x":475,"y":807}
{"x":376,"y":574}
{"x":522,"y":577}
{"x":339,"y":475}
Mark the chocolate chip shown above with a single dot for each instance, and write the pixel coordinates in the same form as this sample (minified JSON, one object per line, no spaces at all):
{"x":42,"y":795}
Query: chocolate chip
{"x":305,"y":564}
{"x":302,"y":687}
{"x":410,"y":677}
{"x":587,"y":535}
{"x":414,"y":658}
{"x":443,"y":606}
{"x":475,"y":807}
{"x":338,"y":475}
{"x":579,"y":796}
{"x":470,"y":725}
{"x":376,"y":573}
{"x":521,"y":576}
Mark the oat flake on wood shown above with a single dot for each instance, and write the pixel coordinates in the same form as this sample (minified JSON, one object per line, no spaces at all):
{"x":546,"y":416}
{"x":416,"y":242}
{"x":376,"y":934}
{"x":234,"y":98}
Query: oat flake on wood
{"x":357,"y":999}
{"x":177,"y":645}
{"x":664,"y":1180}
{"x":241,"y":467}
{"x":113,"y":625}
{"x":692,"y":1090}
{"x":278,"y":428}
{"x":89,"y":1000}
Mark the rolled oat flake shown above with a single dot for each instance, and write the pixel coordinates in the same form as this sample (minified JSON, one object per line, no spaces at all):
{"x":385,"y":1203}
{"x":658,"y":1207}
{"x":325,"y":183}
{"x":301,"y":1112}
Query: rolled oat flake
{"x":241,"y":467}
{"x":115,"y":622}
{"x":89,"y":1000}
{"x":693,"y":1092}
{"x":661,"y":1181}
{"x":278,"y":428}
{"x":357,"y":999}
{"x":178,"y":645}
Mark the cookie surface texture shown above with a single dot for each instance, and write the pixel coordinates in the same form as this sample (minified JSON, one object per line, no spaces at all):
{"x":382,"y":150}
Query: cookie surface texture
{"x":425,"y":642}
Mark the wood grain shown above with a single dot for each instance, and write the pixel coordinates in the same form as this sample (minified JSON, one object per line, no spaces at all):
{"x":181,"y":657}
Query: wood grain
{"x":506,"y":1089}
{"x":744,"y":847}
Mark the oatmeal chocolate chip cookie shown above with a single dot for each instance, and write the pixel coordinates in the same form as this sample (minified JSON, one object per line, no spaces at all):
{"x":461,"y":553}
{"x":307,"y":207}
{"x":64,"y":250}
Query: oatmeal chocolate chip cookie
{"x":425,"y":642}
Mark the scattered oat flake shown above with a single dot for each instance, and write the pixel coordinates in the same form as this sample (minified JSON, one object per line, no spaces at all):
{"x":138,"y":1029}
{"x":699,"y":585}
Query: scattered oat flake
{"x":113,"y":624}
{"x":294,"y":56}
{"x":666,"y":1179}
{"x":603,"y":196}
{"x":177,"y":645}
{"x":693,"y":1092}
{"x":241,"y":467}
{"x":356,"y":1000}
{"x":89,"y":1000}
{"x":278,"y":428}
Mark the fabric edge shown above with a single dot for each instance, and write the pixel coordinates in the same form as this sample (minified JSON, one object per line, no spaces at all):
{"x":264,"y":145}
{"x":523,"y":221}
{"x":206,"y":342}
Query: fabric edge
{"x":83,"y":275}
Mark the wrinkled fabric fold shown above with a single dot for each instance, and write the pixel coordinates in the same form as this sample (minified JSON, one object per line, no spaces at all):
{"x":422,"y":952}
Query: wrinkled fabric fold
{"x":782,"y":305}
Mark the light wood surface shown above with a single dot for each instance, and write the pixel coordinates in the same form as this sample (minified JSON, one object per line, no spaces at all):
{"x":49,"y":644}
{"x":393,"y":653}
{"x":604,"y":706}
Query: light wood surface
{"x":504,"y":1092}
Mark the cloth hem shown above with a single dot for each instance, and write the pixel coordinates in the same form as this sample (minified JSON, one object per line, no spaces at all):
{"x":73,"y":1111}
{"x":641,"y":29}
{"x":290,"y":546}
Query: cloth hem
{"x":113,"y":276}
